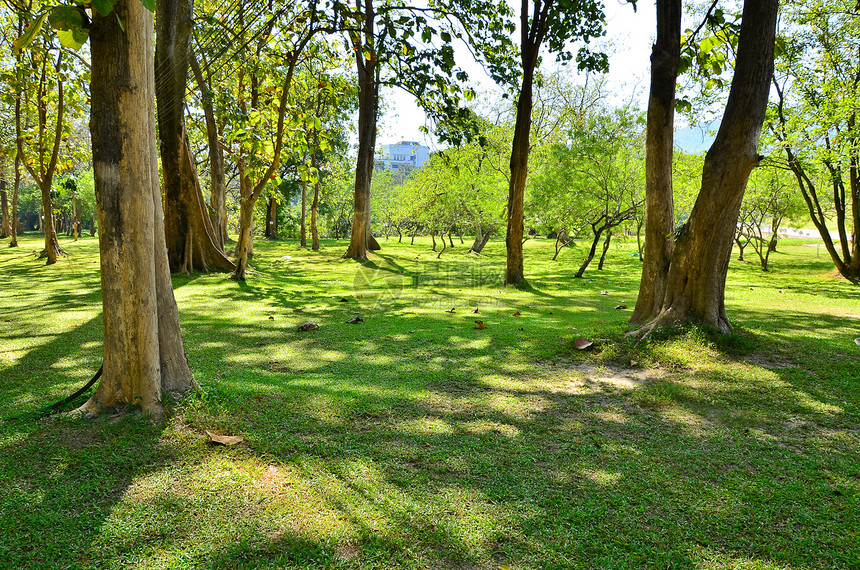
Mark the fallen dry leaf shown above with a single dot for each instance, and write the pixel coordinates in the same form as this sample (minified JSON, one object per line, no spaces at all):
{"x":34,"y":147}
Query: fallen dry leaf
{"x":580,"y":343}
{"x":480,"y":325}
{"x":344,"y":300}
{"x":604,"y":292}
{"x":355,"y":320}
{"x":308,"y":326}
{"x":271,"y":318}
{"x":476,"y":310}
{"x":620,"y":306}
{"x":516,"y":314}
{"x":451,"y":310}
{"x":225,"y":439}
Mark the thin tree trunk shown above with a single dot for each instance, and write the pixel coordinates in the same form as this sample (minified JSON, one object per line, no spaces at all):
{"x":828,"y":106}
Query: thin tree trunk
{"x":597,"y":233}
{"x":143,"y":350}
{"x":659,"y":142}
{"x":5,"y":224}
{"x":303,"y":240}
{"x":272,"y":218}
{"x":74,"y":216}
{"x":695,"y":289}
{"x":605,"y":249}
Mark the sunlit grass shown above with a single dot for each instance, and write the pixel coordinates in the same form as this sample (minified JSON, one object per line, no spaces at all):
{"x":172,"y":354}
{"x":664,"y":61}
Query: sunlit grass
{"x":415,"y":440}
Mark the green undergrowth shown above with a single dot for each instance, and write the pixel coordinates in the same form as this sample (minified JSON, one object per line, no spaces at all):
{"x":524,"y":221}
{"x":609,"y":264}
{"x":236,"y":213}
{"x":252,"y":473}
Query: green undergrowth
{"x":413,"y":439}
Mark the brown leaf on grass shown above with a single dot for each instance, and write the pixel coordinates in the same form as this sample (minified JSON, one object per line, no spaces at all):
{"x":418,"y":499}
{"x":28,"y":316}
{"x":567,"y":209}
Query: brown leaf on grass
{"x":355,"y":320}
{"x":516,"y":314}
{"x":604,"y":292}
{"x":580,"y":343}
{"x":476,"y":310}
{"x":344,"y":300}
{"x":620,"y":307}
{"x":224,"y":439}
{"x":308,"y":326}
{"x":451,"y":310}
{"x":271,"y":318}
{"x":480,"y":325}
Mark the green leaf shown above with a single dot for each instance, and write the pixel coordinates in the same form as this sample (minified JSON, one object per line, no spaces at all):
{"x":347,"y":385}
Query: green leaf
{"x":104,"y":7}
{"x":73,"y":39}
{"x":65,"y":18}
{"x":30,"y":32}
{"x":149,"y":5}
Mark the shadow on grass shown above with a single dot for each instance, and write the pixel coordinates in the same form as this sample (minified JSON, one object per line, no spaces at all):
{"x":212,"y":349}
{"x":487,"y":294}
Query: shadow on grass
{"x":415,"y":440}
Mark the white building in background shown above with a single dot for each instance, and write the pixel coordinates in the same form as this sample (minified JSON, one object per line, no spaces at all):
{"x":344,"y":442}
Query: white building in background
{"x":404,"y":153}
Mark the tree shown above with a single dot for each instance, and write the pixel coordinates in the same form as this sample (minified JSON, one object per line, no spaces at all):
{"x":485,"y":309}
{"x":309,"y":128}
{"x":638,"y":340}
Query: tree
{"x":392,"y":44}
{"x":44,"y":97}
{"x":769,"y":199}
{"x":556,"y":23}
{"x":143,"y":351}
{"x":814,"y":121}
{"x":192,"y":242}
{"x":695,"y":285}
{"x":660,"y":125}
{"x":596,"y":174}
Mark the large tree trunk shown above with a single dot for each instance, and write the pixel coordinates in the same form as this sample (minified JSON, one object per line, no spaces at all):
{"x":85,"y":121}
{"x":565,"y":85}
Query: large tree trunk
{"x":192,"y":243}
{"x":143,"y":351}
{"x":659,"y":139}
{"x":695,"y":288}
{"x":361,"y":239}
{"x":5,"y":223}
{"x":519,"y":172}
{"x":218,"y":190}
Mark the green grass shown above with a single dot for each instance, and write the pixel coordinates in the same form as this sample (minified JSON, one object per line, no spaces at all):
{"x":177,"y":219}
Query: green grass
{"x":414,"y":440}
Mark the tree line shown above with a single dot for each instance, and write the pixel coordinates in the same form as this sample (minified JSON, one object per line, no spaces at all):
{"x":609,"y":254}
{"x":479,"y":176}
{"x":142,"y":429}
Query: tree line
{"x":276,"y":84}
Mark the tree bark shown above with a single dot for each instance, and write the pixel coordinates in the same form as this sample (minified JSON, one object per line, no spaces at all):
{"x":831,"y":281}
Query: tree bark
{"x":272,"y":219}
{"x":585,"y":262}
{"x":361,"y":238}
{"x":481,"y":239}
{"x":659,"y":142}
{"x":519,"y":173}
{"x":5,"y":224}
{"x":143,"y":350}
{"x":192,"y":243}
{"x":303,"y":239}
{"x":695,"y":288}
{"x":218,"y":190}
{"x":605,"y":249}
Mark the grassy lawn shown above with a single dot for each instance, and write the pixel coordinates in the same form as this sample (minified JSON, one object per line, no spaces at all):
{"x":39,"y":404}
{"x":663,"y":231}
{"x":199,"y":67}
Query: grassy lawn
{"x":414,"y":440}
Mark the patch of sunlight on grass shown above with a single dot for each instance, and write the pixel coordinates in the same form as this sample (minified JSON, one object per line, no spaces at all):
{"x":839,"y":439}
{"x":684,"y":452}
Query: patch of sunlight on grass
{"x":601,"y":477}
{"x":426,"y":426}
{"x":814,"y":405}
{"x":706,"y":558}
{"x":515,"y":406}
{"x":488,"y":427}
{"x":611,"y":416}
